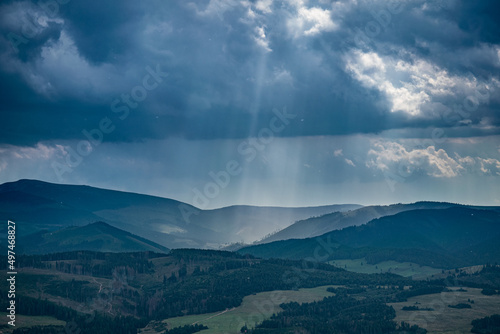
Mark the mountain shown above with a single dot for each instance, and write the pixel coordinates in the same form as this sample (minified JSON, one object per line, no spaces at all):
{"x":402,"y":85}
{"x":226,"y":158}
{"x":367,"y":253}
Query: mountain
{"x":40,"y":206}
{"x":441,"y":238}
{"x":249,"y":222}
{"x":315,"y":226}
{"x":98,"y":236}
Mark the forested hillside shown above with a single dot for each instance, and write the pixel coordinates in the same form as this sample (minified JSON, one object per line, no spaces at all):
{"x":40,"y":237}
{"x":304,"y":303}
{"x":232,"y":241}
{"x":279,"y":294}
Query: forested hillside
{"x":439,"y":238}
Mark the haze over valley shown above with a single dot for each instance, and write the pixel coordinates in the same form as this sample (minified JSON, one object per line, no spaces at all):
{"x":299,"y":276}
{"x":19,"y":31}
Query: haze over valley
{"x":249,"y":166}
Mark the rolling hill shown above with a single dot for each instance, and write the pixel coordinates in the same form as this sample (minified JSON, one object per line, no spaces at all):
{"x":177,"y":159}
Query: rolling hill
{"x":314,"y":226}
{"x":440,"y":238}
{"x":40,"y":206}
{"x":98,"y":236}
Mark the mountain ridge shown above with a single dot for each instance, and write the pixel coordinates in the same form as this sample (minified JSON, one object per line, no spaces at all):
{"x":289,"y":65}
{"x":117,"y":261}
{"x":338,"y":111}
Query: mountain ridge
{"x":316,"y":226}
{"x":38,"y":205}
{"x":451,"y":236}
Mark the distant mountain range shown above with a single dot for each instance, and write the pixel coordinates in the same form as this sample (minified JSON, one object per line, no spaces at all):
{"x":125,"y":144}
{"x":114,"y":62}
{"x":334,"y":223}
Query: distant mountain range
{"x":46,"y":207}
{"x":315,"y":226}
{"x":55,"y":218}
{"x":441,"y":237}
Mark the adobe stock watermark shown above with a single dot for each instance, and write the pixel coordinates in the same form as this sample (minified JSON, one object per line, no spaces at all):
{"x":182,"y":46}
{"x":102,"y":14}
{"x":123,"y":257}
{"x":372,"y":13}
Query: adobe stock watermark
{"x":30,"y":30}
{"x":121,"y":107}
{"x":248,"y":150}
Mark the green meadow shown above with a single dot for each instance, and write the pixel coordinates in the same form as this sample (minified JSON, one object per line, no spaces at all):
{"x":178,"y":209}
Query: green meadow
{"x":405,"y":269}
{"x":446,"y":320}
{"x":253,"y":309}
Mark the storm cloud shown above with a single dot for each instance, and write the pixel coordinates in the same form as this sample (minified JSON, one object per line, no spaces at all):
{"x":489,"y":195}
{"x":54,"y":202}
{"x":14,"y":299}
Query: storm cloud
{"x":365,"y":79}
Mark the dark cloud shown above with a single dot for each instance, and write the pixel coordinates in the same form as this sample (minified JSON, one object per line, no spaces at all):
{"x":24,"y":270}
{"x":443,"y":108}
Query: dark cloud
{"x":103,"y":31}
{"x":228,"y":69}
{"x":32,"y":51}
{"x":481,"y":19}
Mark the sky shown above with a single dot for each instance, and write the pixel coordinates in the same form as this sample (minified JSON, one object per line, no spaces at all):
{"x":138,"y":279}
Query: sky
{"x":276,"y":103}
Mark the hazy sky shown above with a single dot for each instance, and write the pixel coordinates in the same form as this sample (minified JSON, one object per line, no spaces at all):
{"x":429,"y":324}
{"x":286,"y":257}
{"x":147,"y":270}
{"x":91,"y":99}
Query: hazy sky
{"x":220,"y":102}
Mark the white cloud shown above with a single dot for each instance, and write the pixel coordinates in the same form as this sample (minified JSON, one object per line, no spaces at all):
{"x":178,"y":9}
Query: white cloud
{"x":39,"y":152}
{"x":340,"y":153}
{"x":256,"y":17}
{"x":414,"y":86}
{"x":310,"y":21}
{"x":264,"y":6}
{"x":261,"y":38}
{"x":394,"y":157}
{"x":349,"y":162}
{"x":18,"y":162}
{"x":282,"y":76}
{"x":489,"y":166}
{"x":215,"y":7}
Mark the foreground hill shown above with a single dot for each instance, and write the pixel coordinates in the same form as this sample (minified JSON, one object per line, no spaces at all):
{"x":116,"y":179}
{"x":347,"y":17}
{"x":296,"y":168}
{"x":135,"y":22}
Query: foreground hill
{"x":96,"y":237}
{"x":439,"y":238}
{"x":157,"y":286}
{"x":40,"y":206}
{"x":315,"y":226}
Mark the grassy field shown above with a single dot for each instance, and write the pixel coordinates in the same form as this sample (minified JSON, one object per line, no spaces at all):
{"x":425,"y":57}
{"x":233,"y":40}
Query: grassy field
{"x":254,"y":309}
{"x":28,"y":321}
{"x":445,"y":319}
{"x":405,"y":269}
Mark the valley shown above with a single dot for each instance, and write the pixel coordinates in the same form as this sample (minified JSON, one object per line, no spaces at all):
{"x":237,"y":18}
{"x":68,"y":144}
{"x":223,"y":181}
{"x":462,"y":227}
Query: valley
{"x":99,"y":270}
{"x":47,"y":207}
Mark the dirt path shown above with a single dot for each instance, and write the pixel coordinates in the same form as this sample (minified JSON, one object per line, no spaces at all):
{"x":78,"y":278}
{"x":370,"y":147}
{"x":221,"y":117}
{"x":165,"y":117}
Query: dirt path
{"x":100,"y":284}
{"x":215,"y":315}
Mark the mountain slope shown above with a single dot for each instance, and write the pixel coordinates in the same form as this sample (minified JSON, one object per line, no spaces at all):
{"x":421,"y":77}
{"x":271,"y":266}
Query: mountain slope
{"x":41,"y":206}
{"x":36,"y":205}
{"x":451,"y":237}
{"x":99,"y":237}
{"x":312,"y":227}
{"x":249,"y":222}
